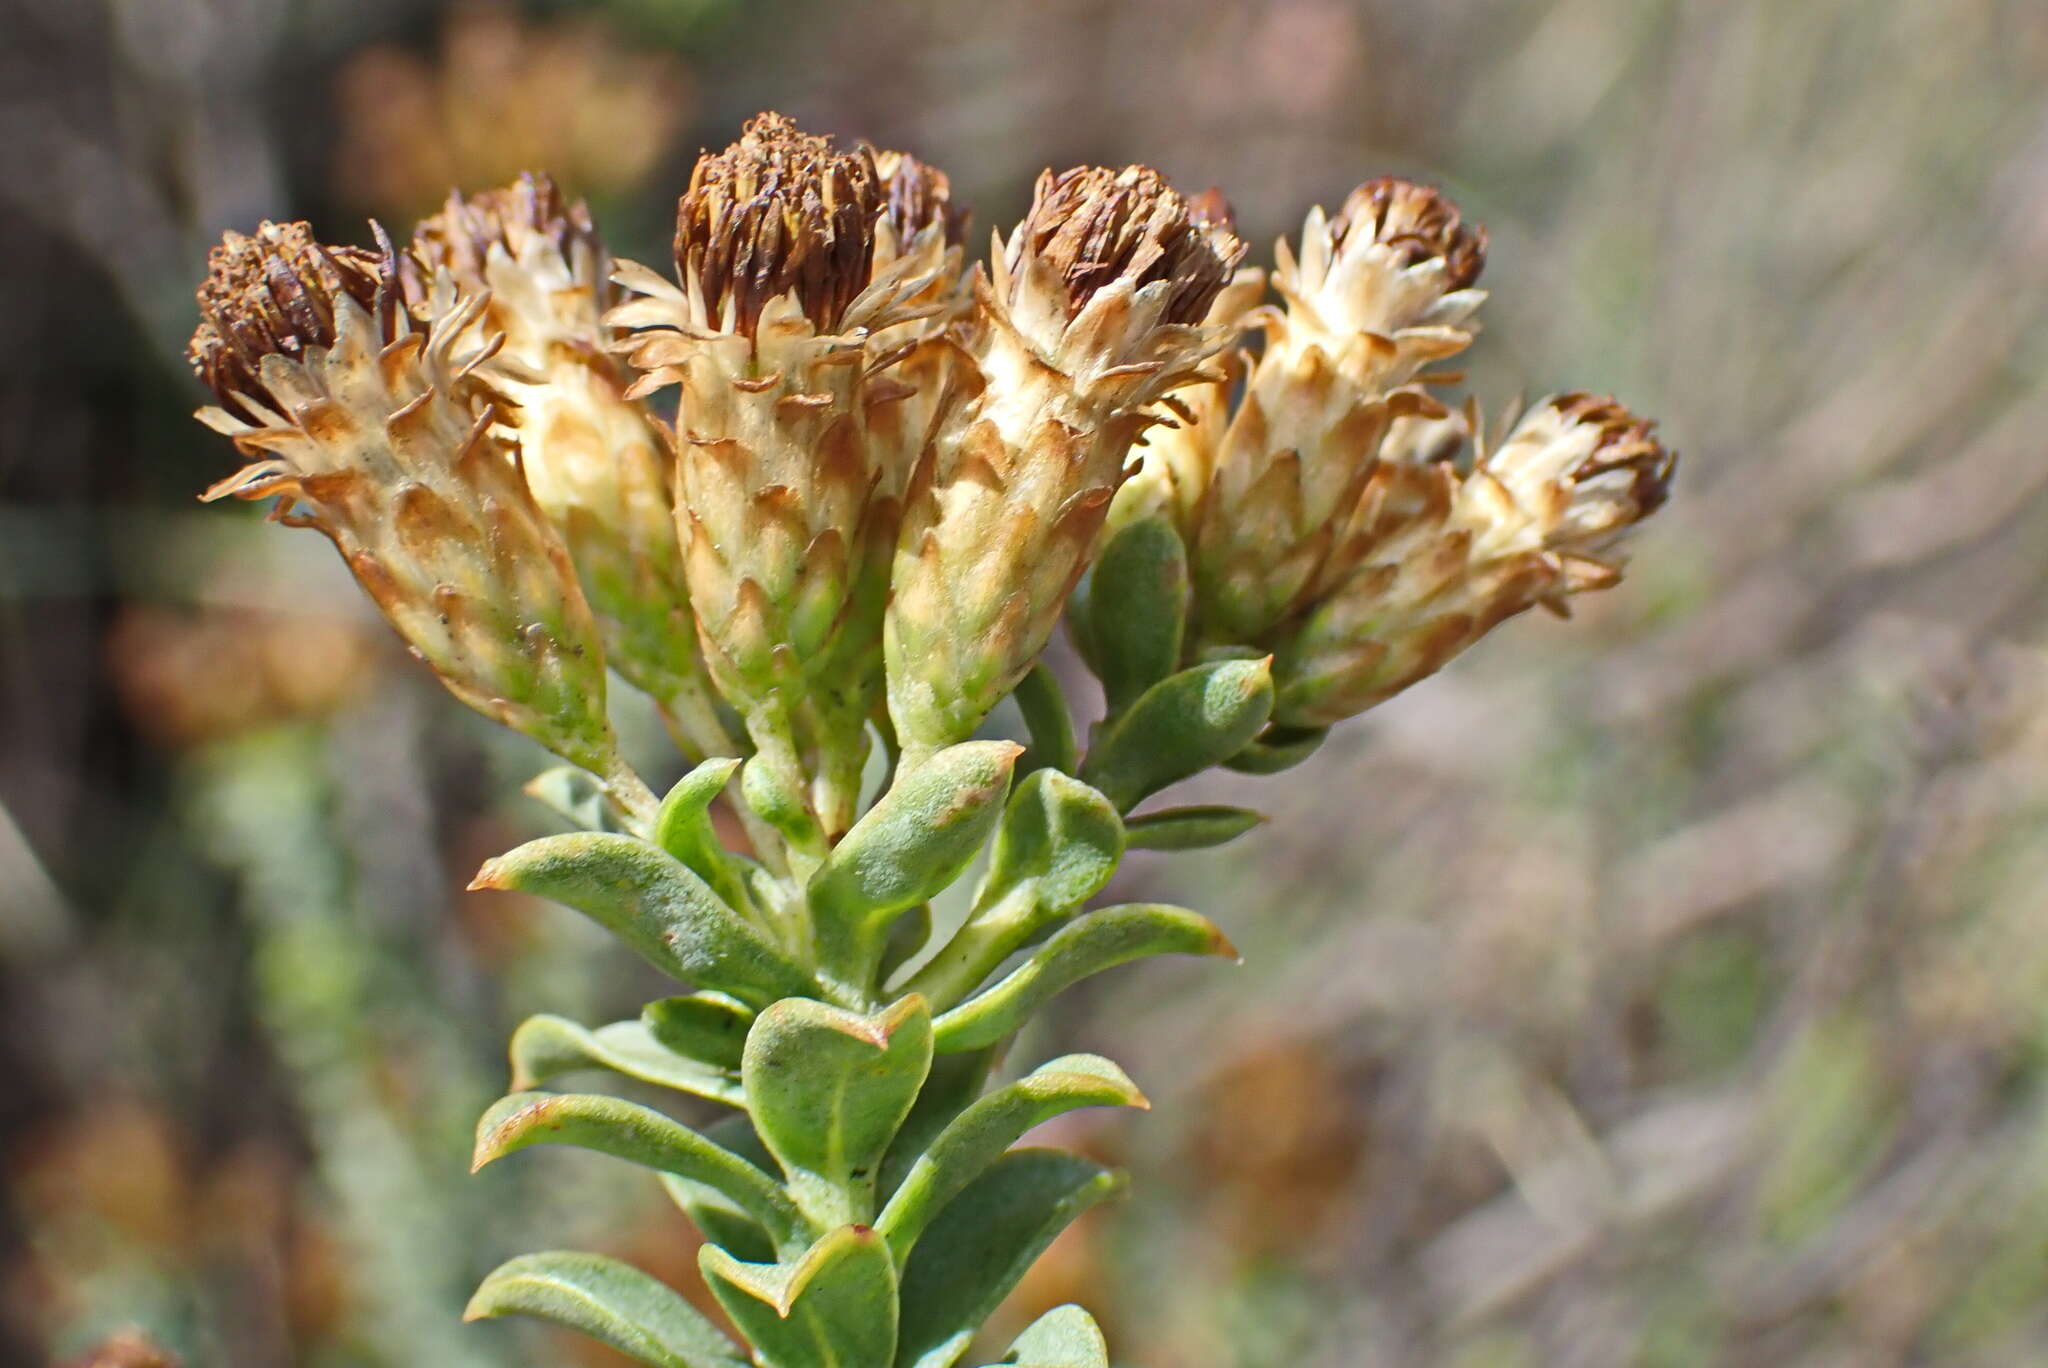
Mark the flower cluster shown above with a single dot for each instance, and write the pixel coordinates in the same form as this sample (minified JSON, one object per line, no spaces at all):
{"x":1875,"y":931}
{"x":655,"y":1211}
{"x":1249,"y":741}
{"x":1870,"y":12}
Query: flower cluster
{"x":887,"y":474}
{"x":887,"y":479}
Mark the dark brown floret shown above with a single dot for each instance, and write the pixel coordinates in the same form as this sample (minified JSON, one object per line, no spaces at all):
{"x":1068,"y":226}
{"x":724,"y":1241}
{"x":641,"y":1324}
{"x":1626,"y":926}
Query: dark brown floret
{"x":780,"y":210}
{"x":1419,"y":221}
{"x":461,"y":236}
{"x":275,"y":293}
{"x":1093,"y":225}
{"x":1626,"y":443}
{"x":918,"y":195}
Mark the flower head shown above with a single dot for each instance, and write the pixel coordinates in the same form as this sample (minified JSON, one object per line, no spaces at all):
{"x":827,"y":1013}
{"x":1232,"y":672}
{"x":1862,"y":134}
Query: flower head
{"x":597,"y":462}
{"x":371,"y":428}
{"x":1091,"y":227}
{"x":276,"y":294}
{"x":779,"y":211}
{"x":1440,"y":558}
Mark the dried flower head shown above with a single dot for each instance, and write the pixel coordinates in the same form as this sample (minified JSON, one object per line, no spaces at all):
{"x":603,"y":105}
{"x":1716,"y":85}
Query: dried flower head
{"x":1091,"y":226}
{"x":916,"y":196}
{"x":1439,"y":558}
{"x":1094,"y":310}
{"x":596,"y":461}
{"x":275,"y":294}
{"x":372,"y":429}
{"x":778,"y":211}
{"x":1416,"y":224}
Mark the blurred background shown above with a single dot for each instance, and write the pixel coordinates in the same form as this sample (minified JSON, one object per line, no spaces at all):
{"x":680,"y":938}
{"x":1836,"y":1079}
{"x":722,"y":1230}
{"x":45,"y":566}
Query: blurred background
{"x":1664,"y":988}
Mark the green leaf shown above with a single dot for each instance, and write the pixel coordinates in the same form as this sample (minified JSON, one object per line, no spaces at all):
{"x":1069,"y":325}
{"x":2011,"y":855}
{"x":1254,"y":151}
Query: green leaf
{"x":906,"y":938}
{"x":953,"y":1084}
{"x":612,"y":1302}
{"x":1277,"y":749}
{"x":656,"y":905}
{"x":979,"y":1135}
{"x":1064,"y":1337}
{"x":833,"y":1308}
{"x":546,"y":1047}
{"x":683,"y":828}
{"x":1138,"y":604}
{"x":1100,"y":940}
{"x":576,"y":794}
{"x":1190,"y":828}
{"x":982,"y":1243}
{"x":711,"y":1027}
{"x":639,"y":1135}
{"x":714,"y":1214}
{"x":910,"y":845}
{"x":1181,"y":726}
{"x":828,"y":1089}
{"x":1049,"y":721}
{"x":1059,"y":844}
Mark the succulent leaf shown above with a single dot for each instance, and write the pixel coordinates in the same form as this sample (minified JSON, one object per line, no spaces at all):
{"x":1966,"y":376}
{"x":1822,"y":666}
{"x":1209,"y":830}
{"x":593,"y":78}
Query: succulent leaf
{"x":1189,"y":828}
{"x":910,"y":845}
{"x":828,"y":1089}
{"x":546,"y":1047}
{"x":1064,"y":1337}
{"x":982,"y":1243}
{"x":612,"y":1302}
{"x":1100,"y":940}
{"x":715,"y":1215}
{"x":707,"y":1027}
{"x":656,"y":905}
{"x":1059,"y":843}
{"x":639,"y":1135}
{"x":1277,"y":749}
{"x":683,"y":828}
{"x":979,"y":1135}
{"x":1181,"y":726}
{"x":1049,"y":721}
{"x":1138,"y":608}
{"x":835,"y":1307}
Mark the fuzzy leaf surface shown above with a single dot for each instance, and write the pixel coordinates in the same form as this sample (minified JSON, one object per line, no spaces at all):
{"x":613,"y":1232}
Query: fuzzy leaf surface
{"x":1059,"y":843}
{"x":835,"y":1307}
{"x":978,"y":1248}
{"x":828,"y":1089}
{"x":1064,"y":1337}
{"x":1277,"y":749}
{"x":1189,"y":828}
{"x":1100,"y":940}
{"x":639,"y":1135}
{"x":980,"y":1134}
{"x":1049,"y":721}
{"x":612,"y":1302}
{"x":656,"y":905}
{"x":546,"y":1047}
{"x":1138,"y":604}
{"x":709,"y":1027}
{"x":683,"y":828}
{"x":909,"y":846}
{"x":1181,"y":726}
{"x":714,"y":1214}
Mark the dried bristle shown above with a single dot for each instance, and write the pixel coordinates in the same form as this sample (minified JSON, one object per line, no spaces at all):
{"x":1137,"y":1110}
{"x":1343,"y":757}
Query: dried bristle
{"x":1419,"y":222}
{"x":1626,"y":443}
{"x":916,"y":195}
{"x":461,"y":236}
{"x":780,"y":210}
{"x":275,"y":293}
{"x":1093,"y":225}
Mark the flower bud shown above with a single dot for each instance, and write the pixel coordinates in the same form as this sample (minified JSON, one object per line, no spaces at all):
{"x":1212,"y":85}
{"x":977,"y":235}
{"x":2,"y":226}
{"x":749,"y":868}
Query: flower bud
{"x":1092,"y":312}
{"x":1441,"y":558}
{"x":595,"y":461}
{"x":787,"y":502}
{"x":371,"y":429}
{"x":1379,"y":290}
